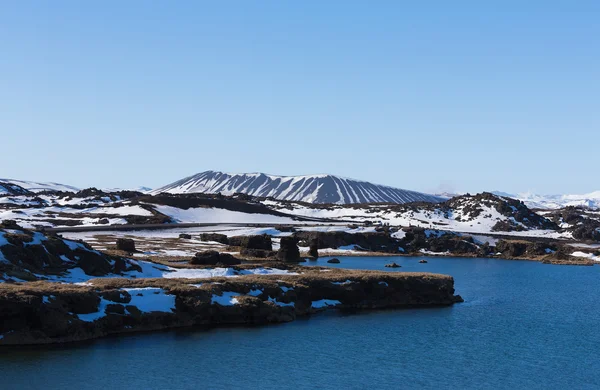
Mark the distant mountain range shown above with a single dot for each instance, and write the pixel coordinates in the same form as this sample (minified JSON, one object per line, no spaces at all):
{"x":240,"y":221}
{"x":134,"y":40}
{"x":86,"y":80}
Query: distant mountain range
{"x":16,"y":187}
{"x":591,"y":200}
{"x":33,"y":186}
{"x":310,"y":188}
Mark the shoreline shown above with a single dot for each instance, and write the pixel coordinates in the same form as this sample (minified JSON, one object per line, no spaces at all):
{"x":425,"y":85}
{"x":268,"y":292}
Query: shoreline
{"x":539,"y":259}
{"x":45,"y":312}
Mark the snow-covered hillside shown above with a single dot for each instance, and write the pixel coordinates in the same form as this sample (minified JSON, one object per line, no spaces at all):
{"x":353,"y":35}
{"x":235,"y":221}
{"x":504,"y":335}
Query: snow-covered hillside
{"x":7,"y":188}
{"x":481,"y":213}
{"x":39,"y":187}
{"x":552,"y":202}
{"x":310,"y":189}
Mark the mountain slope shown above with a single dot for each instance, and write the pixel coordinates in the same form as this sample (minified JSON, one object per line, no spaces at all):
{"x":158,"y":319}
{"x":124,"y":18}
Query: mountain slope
{"x":310,"y":189}
{"x":12,"y":189}
{"x":39,"y":187}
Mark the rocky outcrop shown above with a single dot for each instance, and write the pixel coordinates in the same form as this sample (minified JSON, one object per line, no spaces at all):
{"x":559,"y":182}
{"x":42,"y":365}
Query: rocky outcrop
{"x":262,"y":241}
{"x":587,"y":230}
{"x":519,"y":216}
{"x":380,"y":242}
{"x":42,"y":312}
{"x":257,"y":253}
{"x":288,"y":250}
{"x":333,"y":261}
{"x":313,"y":249}
{"x":214,"y":258}
{"x":28,"y":255}
{"x":216,"y":237}
{"x":520,"y":248}
{"x":126,"y":244}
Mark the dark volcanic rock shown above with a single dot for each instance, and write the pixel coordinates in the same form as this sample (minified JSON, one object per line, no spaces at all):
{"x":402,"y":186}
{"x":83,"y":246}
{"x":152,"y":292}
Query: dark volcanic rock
{"x":313,"y":250}
{"x":49,"y":313}
{"x":286,"y":228}
{"x":252,"y":242}
{"x":119,"y":296}
{"x":214,"y":258}
{"x":333,"y":261}
{"x":185,"y":236}
{"x":93,"y":264}
{"x":423,"y":261}
{"x":380,"y":242}
{"x":288,"y":250}
{"x":29,"y":253}
{"x":125,"y":244}
{"x":10,"y":224}
{"x":216,"y":237}
{"x":519,"y":248}
{"x":393,"y":265}
{"x":258,"y":253}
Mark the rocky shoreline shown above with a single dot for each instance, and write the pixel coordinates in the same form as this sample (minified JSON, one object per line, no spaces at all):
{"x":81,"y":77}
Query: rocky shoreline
{"x":44,"y":312}
{"x":545,"y":259}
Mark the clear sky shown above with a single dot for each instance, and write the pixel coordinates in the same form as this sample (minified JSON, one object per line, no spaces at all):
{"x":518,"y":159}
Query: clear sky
{"x":428,"y":95}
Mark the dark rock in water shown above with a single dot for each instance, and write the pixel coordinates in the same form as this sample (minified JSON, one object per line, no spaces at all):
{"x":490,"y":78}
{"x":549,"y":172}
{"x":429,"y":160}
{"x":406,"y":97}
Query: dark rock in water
{"x":126,"y":244}
{"x":288,"y":250}
{"x":313,"y":250}
{"x":220,"y":238}
{"x":393,"y":265}
{"x":422,"y":261}
{"x":185,"y":236}
{"x":334,"y":261}
{"x":258,"y":253}
{"x":262,"y":241}
{"x":214,"y":258}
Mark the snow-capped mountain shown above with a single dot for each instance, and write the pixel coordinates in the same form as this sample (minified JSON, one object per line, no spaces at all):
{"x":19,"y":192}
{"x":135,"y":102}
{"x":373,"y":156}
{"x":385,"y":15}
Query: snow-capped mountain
{"x":39,"y":187}
{"x":310,"y":188}
{"x":137,"y":189}
{"x":552,"y":202}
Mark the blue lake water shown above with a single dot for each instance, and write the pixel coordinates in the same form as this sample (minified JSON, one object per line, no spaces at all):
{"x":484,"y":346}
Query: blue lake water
{"x":524,"y":325}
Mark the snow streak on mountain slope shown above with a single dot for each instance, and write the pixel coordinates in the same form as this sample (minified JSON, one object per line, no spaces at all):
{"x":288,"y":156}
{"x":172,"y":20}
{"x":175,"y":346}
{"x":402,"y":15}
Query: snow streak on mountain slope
{"x":311,"y":188}
{"x":591,"y":200}
{"x":39,"y":187}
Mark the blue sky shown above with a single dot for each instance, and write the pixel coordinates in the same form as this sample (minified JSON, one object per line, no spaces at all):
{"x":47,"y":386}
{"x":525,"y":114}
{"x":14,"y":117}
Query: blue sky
{"x":431,"y":96}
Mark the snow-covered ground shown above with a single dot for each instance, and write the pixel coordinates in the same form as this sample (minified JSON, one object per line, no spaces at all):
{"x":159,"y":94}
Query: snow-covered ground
{"x":153,"y":270}
{"x":213,"y":215}
{"x":586,"y":255}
